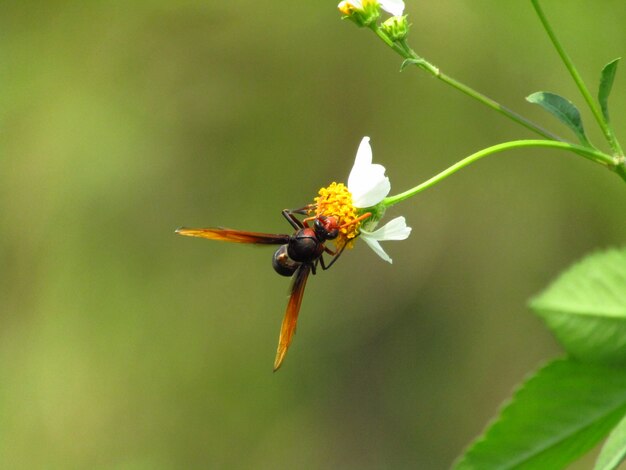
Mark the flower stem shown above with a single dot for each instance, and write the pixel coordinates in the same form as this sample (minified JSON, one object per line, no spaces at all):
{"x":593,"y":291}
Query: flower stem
{"x":595,"y":109}
{"x":593,"y":155}
{"x":498,"y":107}
{"x":410,"y":56}
{"x":425,"y":65}
{"x":620,"y":167}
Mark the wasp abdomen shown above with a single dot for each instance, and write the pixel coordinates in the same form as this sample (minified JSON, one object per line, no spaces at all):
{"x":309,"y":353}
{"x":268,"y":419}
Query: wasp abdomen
{"x":282,"y":264}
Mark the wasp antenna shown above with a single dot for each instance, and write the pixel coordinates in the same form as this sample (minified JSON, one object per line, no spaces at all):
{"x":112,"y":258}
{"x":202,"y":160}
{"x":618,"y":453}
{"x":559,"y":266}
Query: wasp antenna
{"x":359,"y":219}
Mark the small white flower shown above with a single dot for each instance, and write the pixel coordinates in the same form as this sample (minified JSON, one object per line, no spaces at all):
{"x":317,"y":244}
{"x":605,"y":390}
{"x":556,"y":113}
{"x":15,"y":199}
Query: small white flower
{"x":369,"y":186}
{"x":394,"y":7}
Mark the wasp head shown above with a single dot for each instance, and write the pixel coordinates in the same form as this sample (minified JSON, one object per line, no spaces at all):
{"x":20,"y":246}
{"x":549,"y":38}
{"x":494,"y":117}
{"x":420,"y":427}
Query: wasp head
{"x":326,"y":228}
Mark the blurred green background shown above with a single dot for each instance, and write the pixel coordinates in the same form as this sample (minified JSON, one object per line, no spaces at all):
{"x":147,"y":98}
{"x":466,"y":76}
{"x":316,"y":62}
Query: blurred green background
{"x":125,"y":346}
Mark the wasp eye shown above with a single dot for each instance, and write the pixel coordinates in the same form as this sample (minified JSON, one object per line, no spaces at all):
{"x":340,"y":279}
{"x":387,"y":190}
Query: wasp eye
{"x":332,"y":234}
{"x":320,"y":224}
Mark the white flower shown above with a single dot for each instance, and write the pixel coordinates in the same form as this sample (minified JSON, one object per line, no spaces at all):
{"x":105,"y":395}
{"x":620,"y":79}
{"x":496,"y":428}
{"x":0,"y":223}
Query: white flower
{"x":395,"y":7}
{"x":369,"y":186}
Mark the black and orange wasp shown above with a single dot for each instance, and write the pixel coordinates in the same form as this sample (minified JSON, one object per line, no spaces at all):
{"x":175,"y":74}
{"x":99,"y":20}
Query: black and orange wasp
{"x":298,"y":256}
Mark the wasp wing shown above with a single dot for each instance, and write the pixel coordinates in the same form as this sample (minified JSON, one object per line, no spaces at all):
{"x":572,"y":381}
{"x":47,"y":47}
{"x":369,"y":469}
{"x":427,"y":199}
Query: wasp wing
{"x":236,"y":236}
{"x":288,"y":328}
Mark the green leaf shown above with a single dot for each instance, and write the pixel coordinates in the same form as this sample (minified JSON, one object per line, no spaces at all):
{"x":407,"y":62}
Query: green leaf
{"x":411,"y":61}
{"x":553,"y":418}
{"x":564,"y":110}
{"x":614,"y":449}
{"x":586,"y":308}
{"x":606,"y":83}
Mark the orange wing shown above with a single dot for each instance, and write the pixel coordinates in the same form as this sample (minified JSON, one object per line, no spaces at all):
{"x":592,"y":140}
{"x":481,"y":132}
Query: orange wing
{"x":236,"y":236}
{"x":288,"y":328}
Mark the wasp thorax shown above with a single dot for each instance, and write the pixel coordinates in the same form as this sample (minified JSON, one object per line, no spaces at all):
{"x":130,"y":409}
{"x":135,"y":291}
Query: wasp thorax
{"x":304,"y":245}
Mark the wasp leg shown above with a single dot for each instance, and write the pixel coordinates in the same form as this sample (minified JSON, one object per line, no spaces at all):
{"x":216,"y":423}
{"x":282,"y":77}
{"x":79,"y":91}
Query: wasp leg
{"x":303,"y":210}
{"x":291,"y":218}
{"x":335,"y":258}
{"x":293,"y":221}
{"x":329,"y":251}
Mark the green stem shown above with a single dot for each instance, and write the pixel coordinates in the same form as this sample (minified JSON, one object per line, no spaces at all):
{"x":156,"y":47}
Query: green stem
{"x":593,"y":155}
{"x":620,"y":167}
{"x":403,"y":49}
{"x":498,"y":107}
{"x":595,"y":109}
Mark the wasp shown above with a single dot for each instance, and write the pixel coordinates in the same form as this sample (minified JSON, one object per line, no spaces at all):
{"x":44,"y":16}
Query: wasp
{"x":298,"y":255}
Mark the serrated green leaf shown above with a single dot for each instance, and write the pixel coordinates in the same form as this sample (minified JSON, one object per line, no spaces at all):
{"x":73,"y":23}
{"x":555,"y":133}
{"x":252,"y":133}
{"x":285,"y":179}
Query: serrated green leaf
{"x":614,"y":450}
{"x":556,"y":416}
{"x":586,"y":308}
{"x":606,"y":84}
{"x":563,"y":109}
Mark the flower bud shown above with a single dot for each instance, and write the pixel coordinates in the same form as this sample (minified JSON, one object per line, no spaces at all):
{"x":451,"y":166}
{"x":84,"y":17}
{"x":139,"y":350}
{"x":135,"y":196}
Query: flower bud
{"x":362,"y":12}
{"x":396,"y":28}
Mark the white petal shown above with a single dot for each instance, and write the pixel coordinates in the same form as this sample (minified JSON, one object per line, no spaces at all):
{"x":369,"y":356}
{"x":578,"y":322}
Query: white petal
{"x":372,"y":186}
{"x":374,"y":245}
{"x":395,"y":7}
{"x":363,"y":154}
{"x":395,"y":229}
{"x":367,"y":182}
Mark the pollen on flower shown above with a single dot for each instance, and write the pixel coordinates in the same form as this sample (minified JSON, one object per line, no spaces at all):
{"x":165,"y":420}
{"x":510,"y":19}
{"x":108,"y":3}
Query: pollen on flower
{"x":336,"y":201}
{"x":348,"y":7}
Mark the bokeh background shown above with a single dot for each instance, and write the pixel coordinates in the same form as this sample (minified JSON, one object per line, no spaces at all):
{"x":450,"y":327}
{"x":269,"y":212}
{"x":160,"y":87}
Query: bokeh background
{"x":125,"y":346}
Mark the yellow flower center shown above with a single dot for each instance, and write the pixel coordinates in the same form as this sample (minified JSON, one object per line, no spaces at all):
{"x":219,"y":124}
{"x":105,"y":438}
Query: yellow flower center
{"x":336,"y":201}
{"x":347,"y":7}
